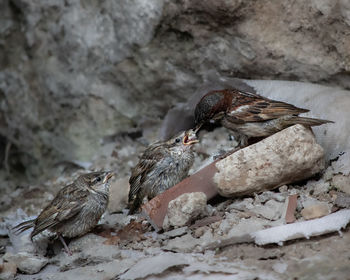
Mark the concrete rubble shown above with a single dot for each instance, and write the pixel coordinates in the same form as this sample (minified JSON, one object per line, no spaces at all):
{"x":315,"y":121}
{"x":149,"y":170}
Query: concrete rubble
{"x":184,"y":209}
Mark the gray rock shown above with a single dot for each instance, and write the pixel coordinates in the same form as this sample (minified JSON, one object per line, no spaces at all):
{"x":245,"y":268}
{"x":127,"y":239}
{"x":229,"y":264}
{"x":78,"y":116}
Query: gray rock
{"x":26,"y":262}
{"x":185,"y":244}
{"x":184,"y":209}
{"x":271,"y":210}
{"x":88,"y":249}
{"x":99,"y":57}
{"x":341,"y":182}
{"x":342,"y":165}
{"x":154,"y":265}
{"x":100,"y":271}
{"x":342,"y":200}
{"x":118,"y":197}
{"x":268,"y":164}
{"x":176,"y":232}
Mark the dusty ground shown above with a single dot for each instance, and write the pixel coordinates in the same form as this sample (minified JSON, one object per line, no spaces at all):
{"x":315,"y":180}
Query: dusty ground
{"x":125,"y":249}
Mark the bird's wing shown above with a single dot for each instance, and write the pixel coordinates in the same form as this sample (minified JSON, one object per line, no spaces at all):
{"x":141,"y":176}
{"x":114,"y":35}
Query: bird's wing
{"x":68,"y":203}
{"x":148,"y":160}
{"x":249,"y":107}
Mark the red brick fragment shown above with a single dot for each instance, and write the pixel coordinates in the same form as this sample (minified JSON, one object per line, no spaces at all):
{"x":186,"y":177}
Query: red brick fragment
{"x":202,"y":181}
{"x":292,"y":206}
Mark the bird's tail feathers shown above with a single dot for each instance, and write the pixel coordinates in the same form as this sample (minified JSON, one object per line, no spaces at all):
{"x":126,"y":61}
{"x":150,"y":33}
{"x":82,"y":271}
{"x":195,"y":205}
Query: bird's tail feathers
{"x":23,"y":226}
{"x":306,"y":121}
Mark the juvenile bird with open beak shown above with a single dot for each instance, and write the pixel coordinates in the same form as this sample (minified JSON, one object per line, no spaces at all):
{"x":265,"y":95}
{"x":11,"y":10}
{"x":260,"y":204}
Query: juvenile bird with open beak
{"x":161,"y":166}
{"x":249,"y":114}
{"x":75,"y":210}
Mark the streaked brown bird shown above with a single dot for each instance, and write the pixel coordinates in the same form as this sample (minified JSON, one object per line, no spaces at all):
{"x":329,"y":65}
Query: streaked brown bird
{"x":75,"y":210}
{"x":248,"y":114}
{"x":161,"y":166}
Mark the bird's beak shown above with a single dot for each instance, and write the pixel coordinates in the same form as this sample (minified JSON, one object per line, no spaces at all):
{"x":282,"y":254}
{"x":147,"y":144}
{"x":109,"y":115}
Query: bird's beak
{"x":197,"y":128}
{"x":108,"y":176}
{"x":190,"y":138}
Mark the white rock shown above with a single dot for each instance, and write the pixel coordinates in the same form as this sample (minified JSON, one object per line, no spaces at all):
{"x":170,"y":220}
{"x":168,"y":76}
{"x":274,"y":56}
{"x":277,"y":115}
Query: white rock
{"x":287,"y":156}
{"x":27,"y":263}
{"x":280,"y":267}
{"x":118,"y":196}
{"x":184,"y":209}
{"x":317,"y":187}
{"x":330,"y":223}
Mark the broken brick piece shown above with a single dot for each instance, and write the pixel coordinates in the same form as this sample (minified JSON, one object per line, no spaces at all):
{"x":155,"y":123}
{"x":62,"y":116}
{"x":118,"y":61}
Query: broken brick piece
{"x":202,"y":181}
{"x":292,"y":206}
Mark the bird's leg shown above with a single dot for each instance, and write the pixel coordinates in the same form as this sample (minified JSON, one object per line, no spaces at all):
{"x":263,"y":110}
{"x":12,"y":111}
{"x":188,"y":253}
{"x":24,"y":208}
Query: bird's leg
{"x":69,"y":252}
{"x":224,"y":154}
{"x":242,"y":140}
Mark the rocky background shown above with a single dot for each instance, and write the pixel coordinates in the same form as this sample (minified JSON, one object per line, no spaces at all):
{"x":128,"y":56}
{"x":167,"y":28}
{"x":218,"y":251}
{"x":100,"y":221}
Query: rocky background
{"x":75,"y":74}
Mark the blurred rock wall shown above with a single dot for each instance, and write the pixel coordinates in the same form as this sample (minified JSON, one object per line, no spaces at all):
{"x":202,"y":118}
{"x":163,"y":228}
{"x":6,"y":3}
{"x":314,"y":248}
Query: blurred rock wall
{"x":73,"y":72}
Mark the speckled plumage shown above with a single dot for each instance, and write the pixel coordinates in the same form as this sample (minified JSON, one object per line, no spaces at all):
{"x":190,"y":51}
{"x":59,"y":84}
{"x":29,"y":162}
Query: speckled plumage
{"x":248,"y":114}
{"x":161,"y":166}
{"x":76,"y":208}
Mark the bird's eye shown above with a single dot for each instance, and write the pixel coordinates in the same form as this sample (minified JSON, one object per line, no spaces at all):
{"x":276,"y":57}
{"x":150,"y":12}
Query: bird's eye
{"x":98,"y":179}
{"x":177,"y":140}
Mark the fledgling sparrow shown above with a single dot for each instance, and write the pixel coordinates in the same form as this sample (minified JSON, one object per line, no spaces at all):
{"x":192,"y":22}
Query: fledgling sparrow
{"x":75,"y":210}
{"x":248,"y":114}
{"x":161,"y":166}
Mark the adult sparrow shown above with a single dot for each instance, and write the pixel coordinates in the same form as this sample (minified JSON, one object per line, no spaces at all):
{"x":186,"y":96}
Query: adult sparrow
{"x":248,"y":114}
{"x":75,"y":210}
{"x":161,"y":166}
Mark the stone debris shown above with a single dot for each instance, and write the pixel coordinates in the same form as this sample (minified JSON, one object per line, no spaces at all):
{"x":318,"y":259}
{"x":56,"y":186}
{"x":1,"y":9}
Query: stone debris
{"x":25,"y":262}
{"x":271,"y":210}
{"x":342,"y":200}
{"x":184,"y":209}
{"x":8,"y":270}
{"x":176,"y":232}
{"x":118,"y":197}
{"x":280,"y":267}
{"x":267,"y":165}
{"x":154,"y":265}
{"x":341,"y":183}
{"x":315,"y":211}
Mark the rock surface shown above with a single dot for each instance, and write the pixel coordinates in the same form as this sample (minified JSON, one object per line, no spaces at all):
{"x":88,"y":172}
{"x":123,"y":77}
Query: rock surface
{"x":315,"y":211}
{"x":118,"y":196}
{"x":184,"y":209}
{"x":72,"y":73}
{"x":342,"y":183}
{"x":8,"y":271}
{"x":268,"y":164}
{"x":27,"y":263}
